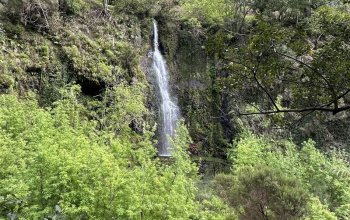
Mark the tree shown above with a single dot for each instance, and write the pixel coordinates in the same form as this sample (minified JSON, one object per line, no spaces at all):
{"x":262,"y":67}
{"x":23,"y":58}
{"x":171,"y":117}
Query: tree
{"x":305,"y":64}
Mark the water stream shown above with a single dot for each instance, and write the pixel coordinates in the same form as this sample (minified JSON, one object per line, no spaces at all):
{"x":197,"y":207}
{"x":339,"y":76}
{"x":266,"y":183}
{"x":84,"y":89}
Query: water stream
{"x":168,"y":108}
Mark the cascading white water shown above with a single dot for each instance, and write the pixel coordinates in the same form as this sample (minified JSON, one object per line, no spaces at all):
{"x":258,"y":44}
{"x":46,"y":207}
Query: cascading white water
{"x":169,"y":109}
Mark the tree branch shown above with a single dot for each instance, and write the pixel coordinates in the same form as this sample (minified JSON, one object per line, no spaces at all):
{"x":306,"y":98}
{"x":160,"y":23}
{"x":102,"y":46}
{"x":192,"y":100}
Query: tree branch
{"x":320,"y":108}
{"x":333,"y":110}
{"x":309,"y":67}
{"x":265,"y":90}
{"x":324,"y":108}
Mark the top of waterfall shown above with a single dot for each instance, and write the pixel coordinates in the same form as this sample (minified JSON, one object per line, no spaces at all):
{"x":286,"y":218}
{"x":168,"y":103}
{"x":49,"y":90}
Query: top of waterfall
{"x":155,"y":31}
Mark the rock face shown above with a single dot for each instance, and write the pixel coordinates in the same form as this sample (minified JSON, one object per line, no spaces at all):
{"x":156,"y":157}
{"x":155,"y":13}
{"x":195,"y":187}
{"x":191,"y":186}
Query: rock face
{"x":193,"y":75}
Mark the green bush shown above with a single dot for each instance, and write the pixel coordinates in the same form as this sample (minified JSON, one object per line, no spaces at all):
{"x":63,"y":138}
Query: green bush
{"x":53,"y":164}
{"x":14,"y":29}
{"x":206,"y":10}
{"x":136,"y":7}
{"x":74,"y":7}
{"x":6,"y":83}
{"x":278,"y":180}
{"x":318,"y":211}
{"x":286,"y":10}
{"x":266,"y":193}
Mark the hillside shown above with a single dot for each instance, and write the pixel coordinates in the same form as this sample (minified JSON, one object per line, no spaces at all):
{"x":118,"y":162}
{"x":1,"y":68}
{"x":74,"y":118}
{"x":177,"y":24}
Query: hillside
{"x":174,"y":109}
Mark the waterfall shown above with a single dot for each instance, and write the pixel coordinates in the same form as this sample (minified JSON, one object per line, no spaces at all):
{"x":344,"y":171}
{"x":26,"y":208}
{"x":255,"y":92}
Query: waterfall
{"x":168,"y":108}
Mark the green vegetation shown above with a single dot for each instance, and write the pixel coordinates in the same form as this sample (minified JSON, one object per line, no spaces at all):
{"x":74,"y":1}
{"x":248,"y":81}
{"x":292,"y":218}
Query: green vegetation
{"x":275,"y":179}
{"x":264,"y":92}
{"x":54,"y":163}
{"x":205,"y":10}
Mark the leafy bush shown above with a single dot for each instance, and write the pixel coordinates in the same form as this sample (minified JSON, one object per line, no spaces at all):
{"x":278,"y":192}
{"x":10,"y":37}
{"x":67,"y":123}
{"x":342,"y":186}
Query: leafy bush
{"x":73,"y":7}
{"x":137,"y":7}
{"x":265,"y":192}
{"x":14,"y":29}
{"x":53,"y":164}
{"x":6,"y":83}
{"x":318,"y":211}
{"x":277,"y":180}
{"x":286,"y":10}
{"x":205,"y":10}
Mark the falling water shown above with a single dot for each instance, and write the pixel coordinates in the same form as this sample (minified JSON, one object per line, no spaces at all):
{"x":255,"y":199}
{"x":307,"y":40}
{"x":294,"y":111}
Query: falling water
{"x":169,"y":110}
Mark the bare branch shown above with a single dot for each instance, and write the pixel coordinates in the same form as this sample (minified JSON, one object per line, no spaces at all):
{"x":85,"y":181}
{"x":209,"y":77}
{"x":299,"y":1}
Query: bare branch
{"x":333,"y":110}
{"x":324,"y":108}
{"x":265,"y":91}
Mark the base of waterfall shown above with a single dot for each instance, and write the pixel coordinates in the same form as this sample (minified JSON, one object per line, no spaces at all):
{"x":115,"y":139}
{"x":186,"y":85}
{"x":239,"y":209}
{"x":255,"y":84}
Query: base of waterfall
{"x":164,"y":155}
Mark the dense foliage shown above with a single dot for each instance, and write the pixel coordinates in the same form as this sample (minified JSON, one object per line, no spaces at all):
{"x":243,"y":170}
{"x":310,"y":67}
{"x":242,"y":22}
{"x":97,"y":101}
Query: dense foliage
{"x":54,"y":163}
{"x":279,"y":66}
{"x":263,"y":87}
{"x":277,"y":180}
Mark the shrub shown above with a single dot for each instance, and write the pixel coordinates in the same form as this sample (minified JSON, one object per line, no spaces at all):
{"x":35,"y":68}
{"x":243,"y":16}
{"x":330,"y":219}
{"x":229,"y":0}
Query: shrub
{"x":73,"y":7}
{"x":318,"y":211}
{"x":53,"y":162}
{"x":205,"y":10}
{"x":137,"y":7}
{"x":14,"y":29}
{"x":277,"y":180}
{"x":268,"y":193}
{"x":6,"y":82}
